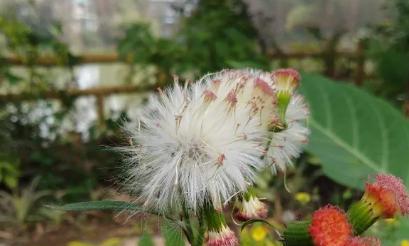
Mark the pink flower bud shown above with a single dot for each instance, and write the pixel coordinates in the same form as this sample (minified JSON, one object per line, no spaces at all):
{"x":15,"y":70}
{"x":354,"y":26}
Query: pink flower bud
{"x":252,"y":208}
{"x":222,"y":237}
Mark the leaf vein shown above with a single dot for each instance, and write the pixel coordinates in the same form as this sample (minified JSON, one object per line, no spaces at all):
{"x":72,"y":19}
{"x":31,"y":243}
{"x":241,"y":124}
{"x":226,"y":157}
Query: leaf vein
{"x":354,"y":121}
{"x":384,"y":137}
{"x":345,"y":146}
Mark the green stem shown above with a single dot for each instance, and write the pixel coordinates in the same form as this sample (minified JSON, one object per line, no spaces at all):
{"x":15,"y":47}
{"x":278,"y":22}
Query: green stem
{"x":214,"y":219}
{"x":274,"y":129}
{"x":249,"y":193}
{"x":201,"y":231}
{"x":186,"y":218}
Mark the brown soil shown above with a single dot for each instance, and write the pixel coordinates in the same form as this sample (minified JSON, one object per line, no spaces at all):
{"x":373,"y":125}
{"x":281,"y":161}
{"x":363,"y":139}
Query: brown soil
{"x":92,"y":228}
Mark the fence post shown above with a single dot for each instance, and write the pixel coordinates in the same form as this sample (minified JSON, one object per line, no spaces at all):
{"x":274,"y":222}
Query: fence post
{"x":329,"y":54}
{"x":360,"y":63}
{"x":406,"y":108}
{"x":100,"y":110}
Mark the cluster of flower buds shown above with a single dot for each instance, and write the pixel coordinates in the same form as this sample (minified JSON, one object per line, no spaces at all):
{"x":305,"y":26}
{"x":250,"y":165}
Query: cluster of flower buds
{"x":218,"y":233}
{"x":331,"y":226}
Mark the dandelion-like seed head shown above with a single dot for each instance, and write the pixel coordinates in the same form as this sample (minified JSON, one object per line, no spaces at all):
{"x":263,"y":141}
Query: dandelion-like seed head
{"x":388,"y":194}
{"x":330,"y":227}
{"x":204,"y":142}
{"x":259,"y":92}
{"x":192,"y":145}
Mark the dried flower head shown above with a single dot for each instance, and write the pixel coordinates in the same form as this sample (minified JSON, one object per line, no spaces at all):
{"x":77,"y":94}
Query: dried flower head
{"x":388,"y":195}
{"x":330,"y":227}
{"x":192,"y":145}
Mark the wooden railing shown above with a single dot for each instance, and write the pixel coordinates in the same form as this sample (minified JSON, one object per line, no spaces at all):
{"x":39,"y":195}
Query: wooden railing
{"x":49,"y":61}
{"x":101,"y":92}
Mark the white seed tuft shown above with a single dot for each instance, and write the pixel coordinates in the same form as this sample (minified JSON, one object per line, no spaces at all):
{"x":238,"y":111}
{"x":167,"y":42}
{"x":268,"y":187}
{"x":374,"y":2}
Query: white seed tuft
{"x":190,"y":147}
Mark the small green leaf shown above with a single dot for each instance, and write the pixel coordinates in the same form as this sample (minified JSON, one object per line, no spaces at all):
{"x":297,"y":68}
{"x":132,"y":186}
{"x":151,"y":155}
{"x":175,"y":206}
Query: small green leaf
{"x":172,"y":234}
{"x":100,"y":205}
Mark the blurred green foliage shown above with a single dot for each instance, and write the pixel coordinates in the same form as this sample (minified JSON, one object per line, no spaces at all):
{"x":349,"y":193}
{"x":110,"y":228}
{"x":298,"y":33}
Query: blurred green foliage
{"x":389,"y":48}
{"x":218,"y":35}
{"x":258,"y":235}
{"x":21,"y":207}
{"x":139,"y":46}
{"x":28,"y":44}
{"x":9,"y":171}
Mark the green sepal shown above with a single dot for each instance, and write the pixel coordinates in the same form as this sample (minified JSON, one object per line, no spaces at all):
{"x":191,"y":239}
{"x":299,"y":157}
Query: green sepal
{"x":283,"y":99}
{"x":297,"y":234}
{"x":361,"y":216}
{"x":215,"y":220}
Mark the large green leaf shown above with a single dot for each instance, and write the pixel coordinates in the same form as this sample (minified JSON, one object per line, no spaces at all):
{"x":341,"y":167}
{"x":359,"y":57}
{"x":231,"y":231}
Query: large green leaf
{"x":355,"y":134}
{"x":100,"y":205}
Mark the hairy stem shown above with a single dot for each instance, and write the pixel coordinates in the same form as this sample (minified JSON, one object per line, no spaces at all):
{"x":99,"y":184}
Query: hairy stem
{"x":188,"y":229}
{"x":201,"y":231}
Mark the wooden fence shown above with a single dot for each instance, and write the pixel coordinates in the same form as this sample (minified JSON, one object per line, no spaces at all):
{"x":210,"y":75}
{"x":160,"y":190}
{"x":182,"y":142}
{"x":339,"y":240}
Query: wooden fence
{"x":101,"y":92}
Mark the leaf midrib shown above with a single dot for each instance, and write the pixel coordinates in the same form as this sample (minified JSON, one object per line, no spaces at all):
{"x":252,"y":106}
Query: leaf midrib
{"x":344,"y":145}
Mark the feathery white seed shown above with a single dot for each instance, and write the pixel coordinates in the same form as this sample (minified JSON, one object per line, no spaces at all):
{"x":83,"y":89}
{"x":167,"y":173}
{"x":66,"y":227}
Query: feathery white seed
{"x":192,"y":146}
{"x":255,"y":91}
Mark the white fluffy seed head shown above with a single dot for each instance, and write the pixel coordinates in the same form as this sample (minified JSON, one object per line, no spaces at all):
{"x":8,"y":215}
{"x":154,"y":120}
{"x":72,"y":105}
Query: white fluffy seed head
{"x":256,"y":91}
{"x":204,"y":142}
{"x":251,"y":90}
{"x":192,"y":146}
